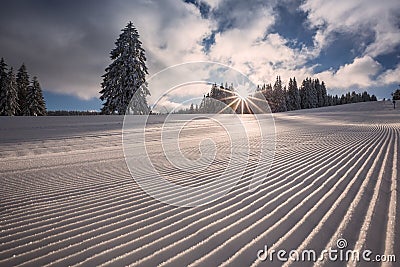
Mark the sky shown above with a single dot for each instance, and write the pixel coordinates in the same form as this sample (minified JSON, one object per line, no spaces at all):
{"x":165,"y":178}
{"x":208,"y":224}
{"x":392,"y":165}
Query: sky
{"x":350,"y":45}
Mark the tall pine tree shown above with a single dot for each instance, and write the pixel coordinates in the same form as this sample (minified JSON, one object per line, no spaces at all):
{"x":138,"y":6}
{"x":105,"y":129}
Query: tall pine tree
{"x":305,"y":94}
{"x":324,"y":94}
{"x":22,"y":85}
{"x":320,"y":96}
{"x":267,"y":92}
{"x":34,"y":99}
{"x":125,"y":77}
{"x":296,"y":95}
{"x":278,"y":96}
{"x":293,"y":95}
{"x":9,"y":94}
{"x":3,"y":84}
{"x":313,"y":93}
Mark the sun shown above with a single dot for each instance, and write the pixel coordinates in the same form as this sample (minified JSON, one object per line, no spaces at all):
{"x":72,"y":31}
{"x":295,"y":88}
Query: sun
{"x":237,"y":102}
{"x":241,"y":94}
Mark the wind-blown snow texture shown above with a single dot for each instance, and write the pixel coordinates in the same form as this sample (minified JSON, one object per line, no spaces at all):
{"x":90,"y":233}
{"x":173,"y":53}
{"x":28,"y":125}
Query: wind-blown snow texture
{"x":67,"y":198}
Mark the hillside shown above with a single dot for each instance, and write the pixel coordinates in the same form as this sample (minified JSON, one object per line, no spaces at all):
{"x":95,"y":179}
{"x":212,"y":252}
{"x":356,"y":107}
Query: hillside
{"x":67,"y":197}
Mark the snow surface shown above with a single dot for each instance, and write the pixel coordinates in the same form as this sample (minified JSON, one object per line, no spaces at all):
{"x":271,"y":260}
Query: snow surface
{"x":67,"y":197}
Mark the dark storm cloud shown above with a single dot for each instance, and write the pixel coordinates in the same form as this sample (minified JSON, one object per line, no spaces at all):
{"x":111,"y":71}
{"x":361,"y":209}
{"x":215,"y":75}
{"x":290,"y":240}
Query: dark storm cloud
{"x":67,"y":43}
{"x":63,"y":42}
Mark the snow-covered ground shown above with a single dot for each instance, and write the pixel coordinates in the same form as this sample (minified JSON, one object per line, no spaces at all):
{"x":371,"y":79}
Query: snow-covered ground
{"x":67,"y":197}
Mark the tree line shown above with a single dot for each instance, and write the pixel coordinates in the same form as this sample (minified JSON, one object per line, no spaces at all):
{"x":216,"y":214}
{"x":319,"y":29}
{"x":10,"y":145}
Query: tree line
{"x":72,"y":113}
{"x":216,"y":101}
{"x":20,"y":96}
{"x":311,"y":94}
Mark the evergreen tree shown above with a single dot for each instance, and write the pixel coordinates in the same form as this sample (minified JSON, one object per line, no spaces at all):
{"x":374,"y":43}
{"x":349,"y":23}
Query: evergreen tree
{"x":354,"y":97}
{"x":343,"y":100}
{"x":329,"y":100}
{"x":278,"y":96}
{"x":320,"y":97}
{"x":3,"y":84}
{"x":336,"y":101}
{"x":286,"y":91}
{"x":290,"y":96}
{"x":293,"y":95}
{"x":214,"y":91}
{"x":309,"y":93}
{"x":305,"y":94}
{"x":396,"y":95}
{"x":297,"y":95}
{"x":125,"y":77}
{"x":34,"y":99}
{"x":267,"y":92}
{"x":22,"y":85}
{"x":3,"y":73}
{"x":325,"y":100}
{"x":205,"y":105}
{"x":314,"y":84}
{"x":9,"y":95}
{"x":365,"y":97}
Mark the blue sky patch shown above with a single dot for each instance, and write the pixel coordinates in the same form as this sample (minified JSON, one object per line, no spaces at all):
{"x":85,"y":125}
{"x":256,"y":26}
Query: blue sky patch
{"x":55,"y":101}
{"x":291,"y":24}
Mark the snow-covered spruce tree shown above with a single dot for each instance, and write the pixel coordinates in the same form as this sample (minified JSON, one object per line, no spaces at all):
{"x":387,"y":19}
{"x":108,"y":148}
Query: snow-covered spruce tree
{"x":290,"y":96}
{"x":3,"y":84}
{"x":308,"y":94}
{"x":318,"y":90}
{"x":278,"y":96}
{"x":395,"y":95}
{"x":267,"y":92}
{"x":296,"y":95}
{"x":3,"y":72}
{"x":22,"y":86}
{"x":34,"y":99}
{"x":125,"y":77}
{"x":313,"y":93}
{"x":305,"y":94}
{"x":324,"y":94}
{"x":293,"y":95}
{"x":9,"y":95}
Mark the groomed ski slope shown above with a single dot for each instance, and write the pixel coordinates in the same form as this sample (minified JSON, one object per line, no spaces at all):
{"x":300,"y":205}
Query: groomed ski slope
{"x":67,"y":197}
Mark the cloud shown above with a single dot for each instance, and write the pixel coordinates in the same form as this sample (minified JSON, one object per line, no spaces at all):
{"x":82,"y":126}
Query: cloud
{"x":165,"y":105}
{"x":63,"y":52}
{"x":213,"y":3}
{"x":252,"y":48}
{"x":360,"y":73}
{"x":67,"y":45}
{"x":364,"y":72}
{"x":390,"y":76}
{"x":172,"y":32}
{"x":356,"y":17}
